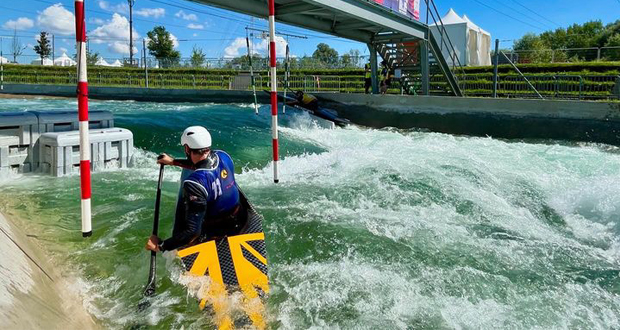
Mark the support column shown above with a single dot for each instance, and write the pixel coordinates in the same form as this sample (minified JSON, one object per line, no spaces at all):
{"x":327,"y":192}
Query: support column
{"x":425,"y":66}
{"x":495,"y":69}
{"x":374,"y":68}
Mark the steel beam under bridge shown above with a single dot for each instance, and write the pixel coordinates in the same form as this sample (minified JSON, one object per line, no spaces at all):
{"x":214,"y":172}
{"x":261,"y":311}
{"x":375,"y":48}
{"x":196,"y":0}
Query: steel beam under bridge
{"x":359,"y":20}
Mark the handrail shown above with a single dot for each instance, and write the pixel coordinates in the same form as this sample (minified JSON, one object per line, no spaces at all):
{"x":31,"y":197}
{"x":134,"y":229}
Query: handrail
{"x":522,"y":75}
{"x":456,"y":62}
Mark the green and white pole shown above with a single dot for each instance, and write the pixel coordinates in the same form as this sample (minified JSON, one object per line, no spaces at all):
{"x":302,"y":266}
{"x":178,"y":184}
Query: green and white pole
{"x":252,"y":79}
{"x":287,"y":73}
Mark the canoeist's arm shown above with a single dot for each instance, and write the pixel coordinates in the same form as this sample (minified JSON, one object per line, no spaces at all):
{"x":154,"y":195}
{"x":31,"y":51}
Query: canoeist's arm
{"x":195,"y":210}
{"x":166,"y":159}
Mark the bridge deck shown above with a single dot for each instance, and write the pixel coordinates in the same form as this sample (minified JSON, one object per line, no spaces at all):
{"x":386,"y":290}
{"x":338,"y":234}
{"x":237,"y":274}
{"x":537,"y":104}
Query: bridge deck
{"x":359,"y":20}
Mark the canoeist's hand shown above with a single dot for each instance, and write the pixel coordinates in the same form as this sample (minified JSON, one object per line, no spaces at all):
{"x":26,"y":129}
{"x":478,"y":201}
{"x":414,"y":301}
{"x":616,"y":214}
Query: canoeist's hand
{"x":152,"y":244}
{"x":165,"y":160}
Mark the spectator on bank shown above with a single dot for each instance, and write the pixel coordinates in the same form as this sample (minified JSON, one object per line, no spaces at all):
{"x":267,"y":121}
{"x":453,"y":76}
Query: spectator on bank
{"x":367,"y":78}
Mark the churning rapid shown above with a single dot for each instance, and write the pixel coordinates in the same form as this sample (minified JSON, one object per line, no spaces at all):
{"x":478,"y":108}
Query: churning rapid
{"x":368,"y":229}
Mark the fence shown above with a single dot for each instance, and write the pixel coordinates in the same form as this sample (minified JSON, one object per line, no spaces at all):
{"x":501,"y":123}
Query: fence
{"x":563,"y":55}
{"x":583,"y":87}
{"x":239,"y":63}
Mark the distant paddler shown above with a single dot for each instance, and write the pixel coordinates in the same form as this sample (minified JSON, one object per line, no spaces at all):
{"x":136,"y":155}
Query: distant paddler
{"x":210,"y":206}
{"x":305,"y":100}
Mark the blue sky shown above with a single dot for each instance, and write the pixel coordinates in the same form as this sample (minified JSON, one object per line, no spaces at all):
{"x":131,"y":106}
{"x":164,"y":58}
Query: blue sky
{"x":217,"y":31}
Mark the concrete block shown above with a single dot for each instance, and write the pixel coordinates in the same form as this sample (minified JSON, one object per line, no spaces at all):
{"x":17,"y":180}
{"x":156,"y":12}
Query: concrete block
{"x":60,"y":151}
{"x":64,"y":121}
{"x":18,"y":135}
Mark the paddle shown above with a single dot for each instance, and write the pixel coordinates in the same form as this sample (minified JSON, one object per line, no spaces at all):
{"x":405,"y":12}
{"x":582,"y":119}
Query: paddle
{"x":150,"y":287}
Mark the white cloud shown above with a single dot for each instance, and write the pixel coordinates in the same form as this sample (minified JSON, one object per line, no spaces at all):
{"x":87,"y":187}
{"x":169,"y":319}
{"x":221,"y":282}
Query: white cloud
{"x":63,"y":49}
{"x":235,"y":47}
{"x":22,"y":23}
{"x":57,"y":20}
{"x":95,"y":20}
{"x":122,"y":8}
{"x":195,"y":35}
{"x":175,"y":40}
{"x":151,"y":12}
{"x":239,"y":47}
{"x":195,"y":26}
{"x":115,"y":33}
{"x":185,"y":16}
{"x":120,"y":47}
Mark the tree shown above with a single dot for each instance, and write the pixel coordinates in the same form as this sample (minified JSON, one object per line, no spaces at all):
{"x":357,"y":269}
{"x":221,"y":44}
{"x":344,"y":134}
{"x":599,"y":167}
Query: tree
{"x":91,"y":59}
{"x":43,"y":48}
{"x":326,"y":55}
{"x":162,"y":47}
{"x":351,"y":59}
{"x":18,"y":49}
{"x":613,"y":54}
{"x":198,"y":58}
{"x":243,"y":62}
{"x":532,"y":49}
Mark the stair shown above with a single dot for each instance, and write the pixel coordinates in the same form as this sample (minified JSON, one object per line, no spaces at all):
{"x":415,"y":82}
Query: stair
{"x":405,"y":56}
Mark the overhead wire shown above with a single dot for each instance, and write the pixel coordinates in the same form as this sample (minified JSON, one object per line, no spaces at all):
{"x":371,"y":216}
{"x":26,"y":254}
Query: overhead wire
{"x":508,"y":15}
{"x":527,"y":16}
{"x":537,"y":14}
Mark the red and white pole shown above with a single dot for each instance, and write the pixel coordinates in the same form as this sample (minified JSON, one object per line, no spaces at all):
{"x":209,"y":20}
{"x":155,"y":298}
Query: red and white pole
{"x":274,"y":86}
{"x":82,"y":96}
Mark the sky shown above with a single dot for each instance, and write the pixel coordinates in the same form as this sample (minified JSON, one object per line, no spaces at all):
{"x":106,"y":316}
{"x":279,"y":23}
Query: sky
{"x":222,"y":34}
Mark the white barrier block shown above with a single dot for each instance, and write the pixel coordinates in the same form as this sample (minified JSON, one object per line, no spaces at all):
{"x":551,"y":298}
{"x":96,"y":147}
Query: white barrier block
{"x":18,"y":134}
{"x":60,"y":150}
{"x":64,"y":121}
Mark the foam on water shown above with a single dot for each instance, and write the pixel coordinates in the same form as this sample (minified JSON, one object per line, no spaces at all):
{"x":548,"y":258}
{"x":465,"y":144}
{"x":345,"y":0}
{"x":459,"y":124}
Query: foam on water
{"x":492,"y":218}
{"x":367,"y":228}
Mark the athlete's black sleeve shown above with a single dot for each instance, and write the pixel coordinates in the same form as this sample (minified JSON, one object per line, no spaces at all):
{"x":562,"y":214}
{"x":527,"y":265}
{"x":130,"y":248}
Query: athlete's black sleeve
{"x":184,"y":163}
{"x":195,"y":200}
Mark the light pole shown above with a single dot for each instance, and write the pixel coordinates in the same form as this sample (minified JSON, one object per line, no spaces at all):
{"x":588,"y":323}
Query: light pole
{"x":131,"y":2}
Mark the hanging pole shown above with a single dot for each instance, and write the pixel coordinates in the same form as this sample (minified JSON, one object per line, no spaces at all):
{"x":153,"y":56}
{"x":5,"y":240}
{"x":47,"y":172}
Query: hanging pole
{"x":1,"y":66}
{"x":131,"y":3}
{"x":82,"y":97}
{"x":252,"y":79}
{"x":53,"y":50}
{"x":287,"y":73}
{"x":146,"y":70}
{"x":274,"y":86}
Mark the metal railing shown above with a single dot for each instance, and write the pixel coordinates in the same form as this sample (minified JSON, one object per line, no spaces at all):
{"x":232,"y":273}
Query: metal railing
{"x":582,"y":87}
{"x":578,"y":87}
{"x":457,"y":68}
{"x":260,"y":63}
{"x":569,"y":55}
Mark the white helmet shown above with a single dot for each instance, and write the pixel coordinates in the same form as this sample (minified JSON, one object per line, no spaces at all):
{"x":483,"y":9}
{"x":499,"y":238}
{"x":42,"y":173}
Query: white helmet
{"x":196,"y":137}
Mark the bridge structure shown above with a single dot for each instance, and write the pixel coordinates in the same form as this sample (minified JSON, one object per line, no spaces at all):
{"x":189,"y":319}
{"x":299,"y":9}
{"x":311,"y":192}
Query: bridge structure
{"x":406,"y":45}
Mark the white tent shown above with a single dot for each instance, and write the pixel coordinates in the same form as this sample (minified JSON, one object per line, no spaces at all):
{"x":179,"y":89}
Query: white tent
{"x":46,"y":62}
{"x":102,"y":62}
{"x":472,"y":44}
{"x":117,"y":64}
{"x":64,"y":60}
{"x":4,"y":60}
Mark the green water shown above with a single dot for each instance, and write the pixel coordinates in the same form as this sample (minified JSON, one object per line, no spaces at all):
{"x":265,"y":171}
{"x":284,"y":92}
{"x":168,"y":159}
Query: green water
{"x":368,"y":229}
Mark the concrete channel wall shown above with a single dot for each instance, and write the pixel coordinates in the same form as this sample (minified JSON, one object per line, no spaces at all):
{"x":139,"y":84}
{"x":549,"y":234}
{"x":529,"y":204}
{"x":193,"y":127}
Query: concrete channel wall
{"x":500,"y":118}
